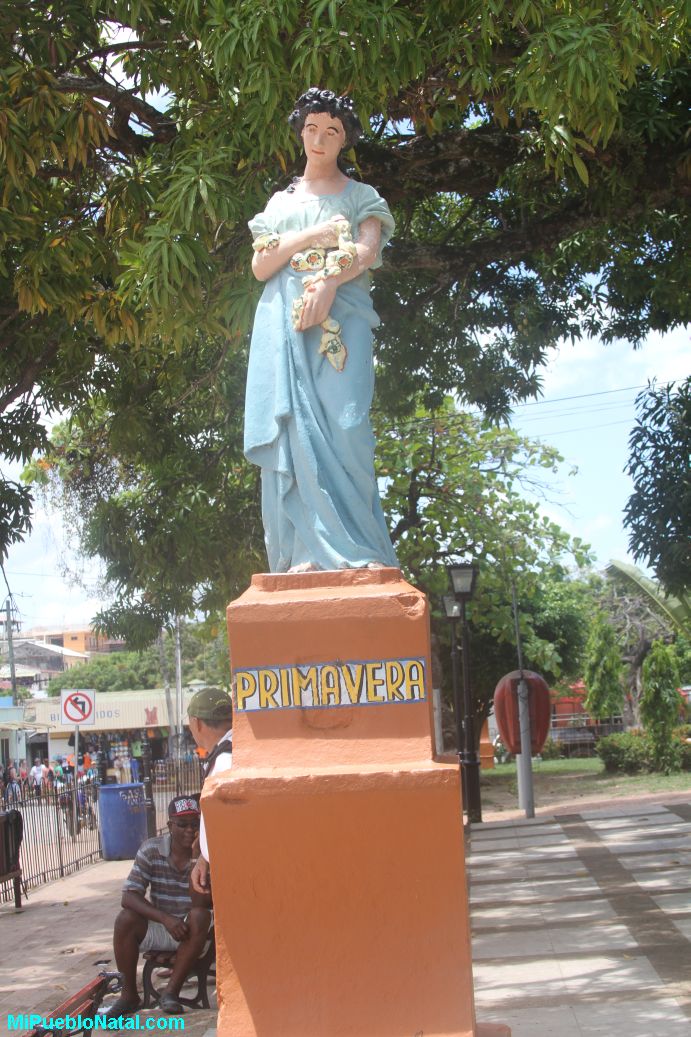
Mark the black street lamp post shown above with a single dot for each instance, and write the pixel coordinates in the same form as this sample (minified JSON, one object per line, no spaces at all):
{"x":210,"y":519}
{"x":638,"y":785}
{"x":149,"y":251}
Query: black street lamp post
{"x":463,"y":582}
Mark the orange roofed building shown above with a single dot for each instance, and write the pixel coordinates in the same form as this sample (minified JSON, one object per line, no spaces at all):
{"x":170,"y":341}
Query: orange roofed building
{"x":84,"y":640}
{"x":566,"y":707}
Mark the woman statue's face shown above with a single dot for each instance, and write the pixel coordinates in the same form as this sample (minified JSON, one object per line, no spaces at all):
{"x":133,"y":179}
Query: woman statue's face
{"x":323,"y":137}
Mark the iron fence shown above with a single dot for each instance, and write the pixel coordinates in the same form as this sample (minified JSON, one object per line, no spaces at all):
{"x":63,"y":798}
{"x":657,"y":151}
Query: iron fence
{"x":60,"y":831}
{"x":61,"y":823}
{"x":577,"y":735}
{"x":171,"y":778}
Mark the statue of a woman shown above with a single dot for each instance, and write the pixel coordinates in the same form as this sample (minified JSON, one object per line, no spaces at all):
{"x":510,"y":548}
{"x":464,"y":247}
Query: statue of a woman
{"x":311,"y":377}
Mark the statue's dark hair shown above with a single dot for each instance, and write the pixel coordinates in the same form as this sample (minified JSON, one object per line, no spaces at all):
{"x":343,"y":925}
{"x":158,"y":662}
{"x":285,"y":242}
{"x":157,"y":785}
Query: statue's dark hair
{"x":316,"y":100}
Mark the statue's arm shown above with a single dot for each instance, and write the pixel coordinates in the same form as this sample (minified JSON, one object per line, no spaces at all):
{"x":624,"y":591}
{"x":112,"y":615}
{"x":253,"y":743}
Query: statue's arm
{"x":268,"y":261}
{"x":320,"y":295}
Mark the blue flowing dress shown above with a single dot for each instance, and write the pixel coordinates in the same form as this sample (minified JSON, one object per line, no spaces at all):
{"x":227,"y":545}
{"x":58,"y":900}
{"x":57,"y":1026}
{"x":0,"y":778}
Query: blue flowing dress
{"x":306,"y":424}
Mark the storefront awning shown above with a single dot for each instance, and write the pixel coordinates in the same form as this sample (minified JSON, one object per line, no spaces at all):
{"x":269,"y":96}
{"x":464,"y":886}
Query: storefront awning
{"x":114,"y":711}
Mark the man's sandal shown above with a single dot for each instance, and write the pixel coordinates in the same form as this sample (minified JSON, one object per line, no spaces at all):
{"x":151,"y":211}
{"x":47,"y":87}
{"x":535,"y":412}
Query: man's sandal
{"x":170,"y":1005}
{"x":122,"y":1007}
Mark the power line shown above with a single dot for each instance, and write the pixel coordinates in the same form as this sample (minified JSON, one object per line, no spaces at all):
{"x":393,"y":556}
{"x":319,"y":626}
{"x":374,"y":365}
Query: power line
{"x":459,"y":416}
{"x":597,"y":408}
{"x":582,"y":396}
{"x":583,"y":428}
{"x":41,"y":575}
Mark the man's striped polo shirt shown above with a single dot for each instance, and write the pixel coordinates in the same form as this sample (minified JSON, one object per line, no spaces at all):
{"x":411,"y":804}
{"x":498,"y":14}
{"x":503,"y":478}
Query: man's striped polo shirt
{"x":153,"y":869}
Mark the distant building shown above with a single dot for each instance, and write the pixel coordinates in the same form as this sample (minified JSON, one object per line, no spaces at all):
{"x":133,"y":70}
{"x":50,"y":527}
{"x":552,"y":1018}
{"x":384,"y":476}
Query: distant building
{"x":37,"y":662}
{"x":16,"y":735}
{"x":25,"y":676}
{"x":41,"y":654}
{"x":84,"y":640}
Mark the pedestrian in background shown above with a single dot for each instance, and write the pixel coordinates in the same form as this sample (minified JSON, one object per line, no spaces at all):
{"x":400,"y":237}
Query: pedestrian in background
{"x":36,"y":778}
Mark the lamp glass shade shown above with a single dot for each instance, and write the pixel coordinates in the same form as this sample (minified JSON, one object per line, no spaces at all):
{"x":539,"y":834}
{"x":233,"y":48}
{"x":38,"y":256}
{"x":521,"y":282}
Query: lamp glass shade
{"x":451,"y":607}
{"x":463,"y":579}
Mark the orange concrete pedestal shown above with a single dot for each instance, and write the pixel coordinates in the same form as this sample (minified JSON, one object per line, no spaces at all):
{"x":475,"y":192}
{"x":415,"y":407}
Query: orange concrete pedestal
{"x":336,"y":841}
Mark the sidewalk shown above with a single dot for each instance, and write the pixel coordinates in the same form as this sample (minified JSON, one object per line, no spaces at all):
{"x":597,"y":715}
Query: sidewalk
{"x":581,"y":927}
{"x":582,"y":922}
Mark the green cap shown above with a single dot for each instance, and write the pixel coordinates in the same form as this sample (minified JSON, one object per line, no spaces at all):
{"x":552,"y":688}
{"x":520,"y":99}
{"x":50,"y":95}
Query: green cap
{"x":212,"y":705}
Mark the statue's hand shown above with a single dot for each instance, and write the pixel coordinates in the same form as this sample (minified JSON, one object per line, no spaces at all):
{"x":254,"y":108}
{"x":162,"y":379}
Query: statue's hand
{"x":318,"y":299}
{"x":327,"y":234}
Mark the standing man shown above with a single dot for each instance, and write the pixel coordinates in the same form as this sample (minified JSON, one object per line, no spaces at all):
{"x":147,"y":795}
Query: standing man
{"x":36,"y":777}
{"x":210,"y":720}
{"x":170,"y":918}
{"x":135,"y":758}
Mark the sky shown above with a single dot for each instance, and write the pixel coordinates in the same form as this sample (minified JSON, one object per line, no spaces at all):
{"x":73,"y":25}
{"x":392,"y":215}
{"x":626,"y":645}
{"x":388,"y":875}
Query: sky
{"x":586,"y":411}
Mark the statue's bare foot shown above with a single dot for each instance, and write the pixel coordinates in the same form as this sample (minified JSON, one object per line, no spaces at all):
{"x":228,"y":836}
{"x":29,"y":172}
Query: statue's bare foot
{"x":375,"y":565}
{"x":304,"y":567}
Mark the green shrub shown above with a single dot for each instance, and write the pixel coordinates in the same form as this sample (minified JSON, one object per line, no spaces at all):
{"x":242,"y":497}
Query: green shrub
{"x":629,"y":752}
{"x":551,"y":750}
{"x":669,"y":759}
{"x":633,"y":752}
{"x":684,"y":752}
{"x":659,"y":705}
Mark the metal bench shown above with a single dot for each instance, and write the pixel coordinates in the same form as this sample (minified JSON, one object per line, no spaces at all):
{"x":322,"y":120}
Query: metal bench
{"x":205,"y":969}
{"x":575,"y":740}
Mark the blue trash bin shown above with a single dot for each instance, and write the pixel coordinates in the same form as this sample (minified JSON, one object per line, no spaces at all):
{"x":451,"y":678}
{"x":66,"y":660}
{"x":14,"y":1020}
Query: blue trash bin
{"x":121,"y":820}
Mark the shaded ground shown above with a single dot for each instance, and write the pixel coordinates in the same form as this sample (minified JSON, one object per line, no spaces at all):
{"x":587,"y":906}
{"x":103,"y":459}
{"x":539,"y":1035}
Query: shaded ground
{"x":562,"y":784}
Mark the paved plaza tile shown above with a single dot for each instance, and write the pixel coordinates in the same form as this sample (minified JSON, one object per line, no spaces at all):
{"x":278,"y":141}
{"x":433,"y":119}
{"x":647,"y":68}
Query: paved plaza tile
{"x":658,"y":1018}
{"x":674,"y":903}
{"x":582,"y":926}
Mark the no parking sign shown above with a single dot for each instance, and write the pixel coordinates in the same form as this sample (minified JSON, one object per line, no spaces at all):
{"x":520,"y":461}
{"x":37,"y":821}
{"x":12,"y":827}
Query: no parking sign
{"x":78,"y":706}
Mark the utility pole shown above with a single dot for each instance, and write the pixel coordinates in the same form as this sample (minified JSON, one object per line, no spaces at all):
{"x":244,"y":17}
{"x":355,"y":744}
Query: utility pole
{"x":172,"y":719}
{"x":178,"y":687}
{"x":524,"y":767}
{"x":10,"y":649}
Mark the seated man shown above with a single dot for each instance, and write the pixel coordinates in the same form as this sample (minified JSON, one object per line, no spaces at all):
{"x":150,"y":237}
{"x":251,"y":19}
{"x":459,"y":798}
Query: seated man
{"x":172,"y":918}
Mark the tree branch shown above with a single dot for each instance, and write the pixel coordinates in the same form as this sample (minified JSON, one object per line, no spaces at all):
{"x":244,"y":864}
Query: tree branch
{"x":451,"y":263}
{"x":411,"y":517}
{"x":11,"y":315}
{"x":123,"y":102}
{"x":118,"y":48}
{"x":28,"y":376}
{"x":471,"y":161}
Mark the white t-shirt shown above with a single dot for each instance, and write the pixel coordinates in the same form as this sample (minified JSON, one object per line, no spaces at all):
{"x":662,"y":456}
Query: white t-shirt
{"x":223,"y":762}
{"x":36,"y":773}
